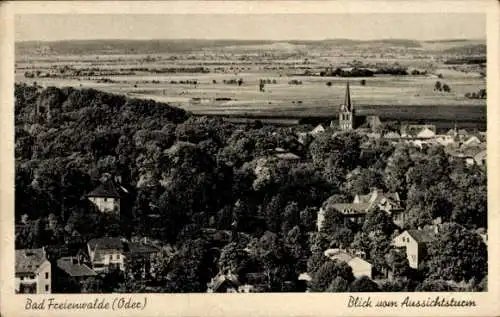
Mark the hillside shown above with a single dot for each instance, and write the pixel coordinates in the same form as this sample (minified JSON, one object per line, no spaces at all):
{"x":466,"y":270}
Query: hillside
{"x":79,"y":47}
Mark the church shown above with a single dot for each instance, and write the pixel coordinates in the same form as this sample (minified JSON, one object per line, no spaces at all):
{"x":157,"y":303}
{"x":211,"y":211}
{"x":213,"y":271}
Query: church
{"x":347,"y":118}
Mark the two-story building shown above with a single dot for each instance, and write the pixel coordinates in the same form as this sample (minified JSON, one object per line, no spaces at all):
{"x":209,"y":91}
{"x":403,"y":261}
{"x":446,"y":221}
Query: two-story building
{"x":108,"y":195}
{"x":362,"y":204}
{"x":110,"y":253}
{"x":33,"y":272}
{"x":107,"y":253}
{"x":415,"y":243}
{"x":70,"y":273}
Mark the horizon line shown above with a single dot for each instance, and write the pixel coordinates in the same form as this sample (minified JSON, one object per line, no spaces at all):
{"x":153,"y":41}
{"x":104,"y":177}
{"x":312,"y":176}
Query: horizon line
{"x":258,"y":39}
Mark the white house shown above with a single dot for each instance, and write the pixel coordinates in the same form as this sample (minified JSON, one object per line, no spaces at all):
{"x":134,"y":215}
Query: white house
{"x":107,"y":253}
{"x":107,"y":196}
{"x":415,"y":242}
{"x":33,"y":272}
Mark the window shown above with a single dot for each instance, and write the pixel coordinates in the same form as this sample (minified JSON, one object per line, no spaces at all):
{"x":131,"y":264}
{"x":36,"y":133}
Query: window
{"x":46,"y":288}
{"x":117,"y":256}
{"x":22,"y":278}
{"x":46,"y":275}
{"x":105,"y":199}
{"x":111,"y":256}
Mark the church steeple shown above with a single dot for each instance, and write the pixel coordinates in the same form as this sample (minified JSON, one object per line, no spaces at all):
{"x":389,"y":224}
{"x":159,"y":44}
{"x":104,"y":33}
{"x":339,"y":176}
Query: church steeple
{"x":347,"y":99}
{"x":346,"y":113}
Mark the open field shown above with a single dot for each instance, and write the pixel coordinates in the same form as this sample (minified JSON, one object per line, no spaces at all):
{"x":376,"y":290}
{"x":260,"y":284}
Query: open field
{"x":161,"y":72}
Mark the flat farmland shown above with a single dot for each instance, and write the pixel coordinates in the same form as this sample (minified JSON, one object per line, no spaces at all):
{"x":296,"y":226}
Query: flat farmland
{"x":311,"y":98}
{"x":202,"y":76}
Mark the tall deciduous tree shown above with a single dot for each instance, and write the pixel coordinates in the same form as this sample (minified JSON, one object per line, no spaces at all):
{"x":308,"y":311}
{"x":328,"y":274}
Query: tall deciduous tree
{"x":457,"y":254}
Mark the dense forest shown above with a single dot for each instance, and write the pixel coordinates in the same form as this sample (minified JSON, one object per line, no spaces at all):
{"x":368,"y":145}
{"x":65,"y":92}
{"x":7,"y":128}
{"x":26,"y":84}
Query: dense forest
{"x":220,"y":196}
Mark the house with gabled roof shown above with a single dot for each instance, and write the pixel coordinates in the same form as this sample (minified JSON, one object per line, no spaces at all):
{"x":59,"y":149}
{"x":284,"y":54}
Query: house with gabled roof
{"x":362,"y":204}
{"x":33,"y":272}
{"x":472,"y":141}
{"x":224,"y":283}
{"x":107,"y":253}
{"x":470,"y":155}
{"x":108,"y":195}
{"x":360,"y":267}
{"x":418,"y":131}
{"x":415,"y":242}
{"x":70,"y":274}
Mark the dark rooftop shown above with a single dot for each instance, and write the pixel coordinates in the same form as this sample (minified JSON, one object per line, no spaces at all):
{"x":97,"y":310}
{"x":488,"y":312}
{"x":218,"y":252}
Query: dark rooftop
{"x":421,"y":236}
{"x":74,"y":269}
{"x":107,"y":189}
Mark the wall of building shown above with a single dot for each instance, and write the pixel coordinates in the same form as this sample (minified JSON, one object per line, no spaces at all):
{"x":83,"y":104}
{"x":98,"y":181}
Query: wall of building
{"x":411,"y":246}
{"x":106,"y":204}
{"x":111,"y":257}
{"x":44,"y":278}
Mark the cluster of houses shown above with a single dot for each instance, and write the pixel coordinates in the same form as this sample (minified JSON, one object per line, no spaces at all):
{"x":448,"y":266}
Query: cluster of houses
{"x":64,"y":268}
{"x":56,"y":268}
{"x":459,"y":144}
{"x":414,"y":242}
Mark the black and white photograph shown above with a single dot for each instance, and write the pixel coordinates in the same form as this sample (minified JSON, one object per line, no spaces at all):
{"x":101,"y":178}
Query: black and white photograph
{"x":155,"y":155}
{"x":208,"y":153}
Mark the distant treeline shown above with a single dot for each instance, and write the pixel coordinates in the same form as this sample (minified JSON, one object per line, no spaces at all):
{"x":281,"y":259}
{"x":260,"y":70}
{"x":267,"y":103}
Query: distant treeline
{"x":466,"y":60}
{"x":364,"y":72}
{"x":481,"y":94}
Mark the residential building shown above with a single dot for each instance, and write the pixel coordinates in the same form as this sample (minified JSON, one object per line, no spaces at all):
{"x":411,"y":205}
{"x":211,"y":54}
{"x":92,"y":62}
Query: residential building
{"x":360,"y":267}
{"x":110,"y":253}
{"x":33,"y":272}
{"x":224,"y":283}
{"x":362,"y":204}
{"x":108,"y":195}
{"x":415,"y":243}
{"x":145,"y":253}
{"x":418,"y":131}
{"x":107,"y":253}
{"x":70,"y":273}
{"x":470,"y":155}
{"x":472,"y":141}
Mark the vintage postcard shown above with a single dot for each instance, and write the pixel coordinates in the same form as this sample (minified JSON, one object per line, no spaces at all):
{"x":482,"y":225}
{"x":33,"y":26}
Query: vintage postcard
{"x":220,"y":158}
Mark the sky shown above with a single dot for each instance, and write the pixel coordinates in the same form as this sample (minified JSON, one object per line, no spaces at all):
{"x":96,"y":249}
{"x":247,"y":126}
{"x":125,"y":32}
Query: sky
{"x":421,"y":26}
